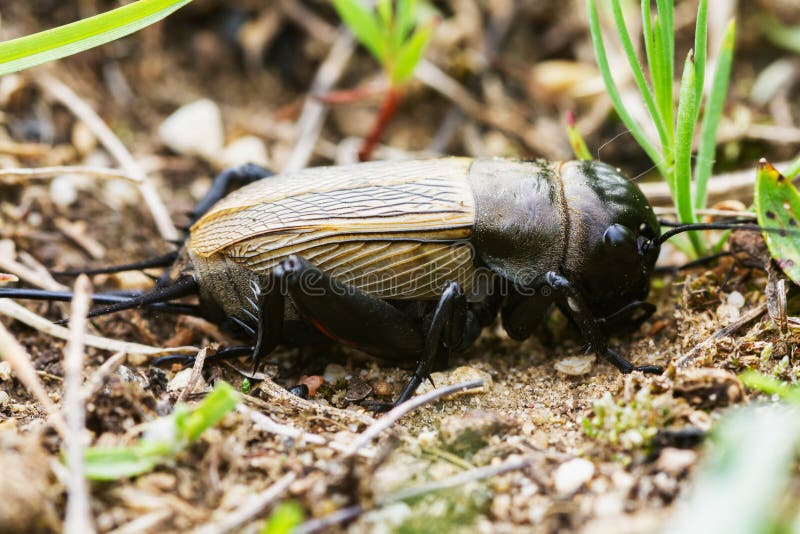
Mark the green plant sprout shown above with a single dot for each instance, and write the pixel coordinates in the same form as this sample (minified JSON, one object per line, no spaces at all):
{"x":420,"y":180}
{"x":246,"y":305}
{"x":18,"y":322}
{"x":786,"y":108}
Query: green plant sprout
{"x":675,"y":127}
{"x":164,"y":438}
{"x":31,"y":50}
{"x":396,"y":34}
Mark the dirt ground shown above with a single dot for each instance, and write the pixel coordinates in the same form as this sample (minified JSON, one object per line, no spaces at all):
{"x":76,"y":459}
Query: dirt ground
{"x":554,"y":442}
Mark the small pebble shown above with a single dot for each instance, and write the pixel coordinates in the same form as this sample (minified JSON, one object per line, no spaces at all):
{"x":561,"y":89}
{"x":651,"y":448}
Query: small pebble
{"x":459,"y":374}
{"x":181,"y":380}
{"x":382,"y":389}
{"x":248,"y":149}
{"x":195,"y":129}
{"x":63,"y":191}
{"x":5,"y":371}
{"x":312,"y":382}
{"x":571,"y":475}
{"x":675,"y":461}
{"x":575,"y":365}
{"x":333,"y":373}
{"x":4,"y":398}
{"x":469,"y":432}
{"x":357,"y":389}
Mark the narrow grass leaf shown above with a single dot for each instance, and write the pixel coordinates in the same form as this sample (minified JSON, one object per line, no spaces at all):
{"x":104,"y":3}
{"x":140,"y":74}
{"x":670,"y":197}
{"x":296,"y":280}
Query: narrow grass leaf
{"x":787,"y":37}
{"x":576,"y":139}
{"x":770,"y":386}
{"x":777,"y":204}
{"x":602,"y":62}
{"x":32,"y":50}
{"x":711,"y":117}
{"x":638,"y":73}
{"x":662,"y":85}
{"x":700,"y":48}
{"x":364,"y":25}
{"x":684,"y":131}
{"x":794,"y":169}
{"x":410,"y":54}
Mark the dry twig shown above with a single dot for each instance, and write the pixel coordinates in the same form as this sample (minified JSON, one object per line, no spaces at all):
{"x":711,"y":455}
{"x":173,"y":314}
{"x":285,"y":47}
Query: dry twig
{"x":79,"y":516}
{"x":17,"y":176}
{"x":309,"y":125}
{"x":20,"y":313}
{"x":197,"y":370}
{"x":100,"y":129}
{"x":250,"y":508}
{"x":690,"y":356}
{"x":400,"y":410}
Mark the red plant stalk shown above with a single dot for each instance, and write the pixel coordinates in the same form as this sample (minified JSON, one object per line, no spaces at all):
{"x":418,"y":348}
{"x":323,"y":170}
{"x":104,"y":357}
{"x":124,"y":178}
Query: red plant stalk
{"x":387,"y":110}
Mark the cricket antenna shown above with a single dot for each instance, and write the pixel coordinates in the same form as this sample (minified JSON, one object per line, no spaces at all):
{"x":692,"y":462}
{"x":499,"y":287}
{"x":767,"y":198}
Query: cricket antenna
{"x":159,"y":261}
{"x":722,"y":225}
{"x":180,"y":288}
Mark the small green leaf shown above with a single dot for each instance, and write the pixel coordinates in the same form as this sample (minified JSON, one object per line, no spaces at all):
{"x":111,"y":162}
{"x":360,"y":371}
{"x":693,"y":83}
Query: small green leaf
{"x":164,"y":438}
{"x":32,"y":50}
{"x":113,"y":463}
{"x":770,"y":385}
{"x":364,"y":25}
{"x":213,"y":408}
{"x":284,"y":519}
{"x":794,"y":169}
{"x":777,"y":204}
{"x":787,"y":37}
{"x":411,"y":53}
{"x":576,"y":139}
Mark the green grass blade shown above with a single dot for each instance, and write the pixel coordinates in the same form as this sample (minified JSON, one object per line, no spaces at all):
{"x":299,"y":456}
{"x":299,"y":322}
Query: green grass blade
{"x":364,"y":25}
{"x":684,"y":131}
{"x":32,"y":50}
{"x":711,"y":117}
{"x":576,"y":139}
{"x":613,"y":91}
{"x":213,"y":408}
{"x":794,"y":169}
{"x":410,"y":54}
{"x":662,"y":84}
{"x":787,"y":37}
{"x":404,"y":21}
{"x":638,"y":73}
{"x":700,"y":48}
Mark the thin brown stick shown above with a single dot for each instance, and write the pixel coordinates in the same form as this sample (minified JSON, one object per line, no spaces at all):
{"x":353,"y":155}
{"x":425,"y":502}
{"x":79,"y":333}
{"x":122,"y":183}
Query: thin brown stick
{"x":690,"y":356}
{"x":277,"y":392}
{"x":401,"y":410}
{"x":99,"y":376}
{"x":79,"y":516}
{"x":197,"y":371}
{"x":11,"y":309}
{"x":37,"y":275}
{"x":22,"y":365}
{"x":145,"y":523}
{"x":250,"y":508}
{"x":83,"y":111}
{"x":20,"y":175}
{"x":309,"y":125}
{"x":266,"y":424}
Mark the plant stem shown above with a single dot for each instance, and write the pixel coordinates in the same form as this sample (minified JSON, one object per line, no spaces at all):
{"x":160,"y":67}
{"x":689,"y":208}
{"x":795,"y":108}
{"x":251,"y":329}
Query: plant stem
{"x":390,"y":103}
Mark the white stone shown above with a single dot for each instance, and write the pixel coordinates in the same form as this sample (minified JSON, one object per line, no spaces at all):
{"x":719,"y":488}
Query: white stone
{"x":675,"y":461}
{"x":181,"y":380}
{"x":195,"y":129}
{"x":248,"y":149}
{"x":575,"y":365}
{"x":63,"y":191}
{"x":571,"y":475}
{"x":333,"y":373}
{"x":736,"y":300}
